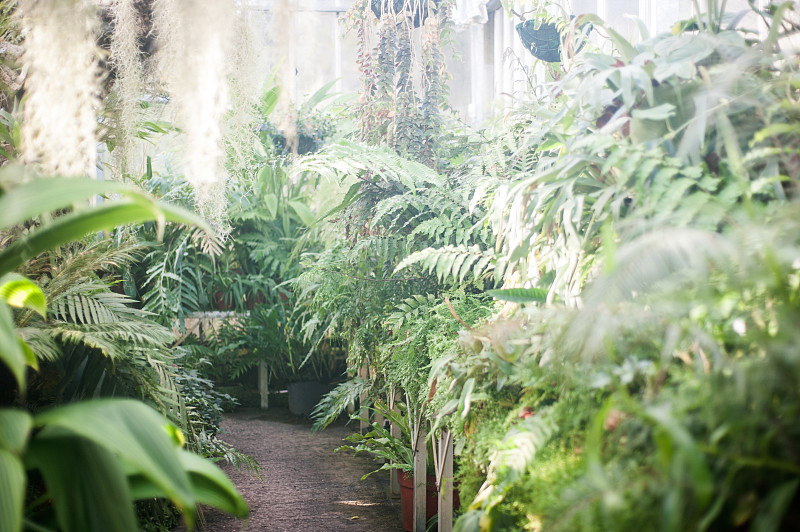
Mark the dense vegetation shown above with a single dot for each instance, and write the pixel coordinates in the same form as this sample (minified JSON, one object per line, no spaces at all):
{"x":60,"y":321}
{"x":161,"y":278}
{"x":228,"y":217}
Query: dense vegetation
{"x":635,"y":229}
{"x":597,"y":296}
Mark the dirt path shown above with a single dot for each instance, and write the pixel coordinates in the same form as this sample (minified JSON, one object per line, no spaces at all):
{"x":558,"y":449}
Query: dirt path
{"x":305,"y":486}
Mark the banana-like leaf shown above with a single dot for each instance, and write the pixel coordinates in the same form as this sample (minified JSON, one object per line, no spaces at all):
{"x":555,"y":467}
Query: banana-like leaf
{"x":12,"y":492}
{"x":209,"y":484}
{"x":303,"y":212}
{"x":86,"y":483}
{"x":15,"y":427}
{"x":21,"y":292}
{"x":46,"y":195}
{"x":11,"y":351}
{"x":76,"y":225}
{"x":136,"y":434}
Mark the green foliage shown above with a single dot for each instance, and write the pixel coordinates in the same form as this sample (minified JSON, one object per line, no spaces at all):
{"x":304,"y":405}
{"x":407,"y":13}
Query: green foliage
{"x":174,"y":281}
{"x":201,"y":409}
{"x":450,"y":262}
{"x":336,"y":401}
{"x":639,"y":217}
{"x":95,"y":457}
{"x":396,"y":451}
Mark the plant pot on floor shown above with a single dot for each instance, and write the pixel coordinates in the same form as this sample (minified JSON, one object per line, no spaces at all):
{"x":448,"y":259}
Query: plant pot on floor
{"x":304,"y":396}
{"x":406,"y":481}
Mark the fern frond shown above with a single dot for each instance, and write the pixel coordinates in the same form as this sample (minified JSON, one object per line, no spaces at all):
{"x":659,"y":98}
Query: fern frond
{"x":451,"y":262}
{"x":91,"y":302}
{"x":350,"y":158}
{"x":335,"y":402}
{"x":115,"y":340}
{"x":41,"y":342}
{"x":409,"y":309}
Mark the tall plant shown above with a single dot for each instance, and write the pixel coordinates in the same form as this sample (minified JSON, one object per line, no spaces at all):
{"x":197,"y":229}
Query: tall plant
{"x":134,"y":457}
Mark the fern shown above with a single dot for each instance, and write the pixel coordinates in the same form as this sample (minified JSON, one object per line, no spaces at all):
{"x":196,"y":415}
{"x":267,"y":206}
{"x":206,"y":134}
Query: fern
{"x":409,"y":309}
{"x":336,"y":401}
{"x":90,"y":301}
{"x":517,"y":450}
{"x":451,"y":262}
{"x":388,"y":169}
{"x":520,"y":295}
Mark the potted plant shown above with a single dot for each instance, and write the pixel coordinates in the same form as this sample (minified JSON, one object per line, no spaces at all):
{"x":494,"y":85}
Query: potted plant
{"x":309,"y":379}
{"x":543,"y":38}
{"x":397,"y":453}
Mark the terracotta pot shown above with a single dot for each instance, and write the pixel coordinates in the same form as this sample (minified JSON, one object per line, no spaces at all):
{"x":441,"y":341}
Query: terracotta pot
{"x":218,"y":301}
{"x":406,"y":481}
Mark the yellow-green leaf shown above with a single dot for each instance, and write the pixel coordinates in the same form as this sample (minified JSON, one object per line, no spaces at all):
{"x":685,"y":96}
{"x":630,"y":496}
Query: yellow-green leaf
{"x":21,"y":292}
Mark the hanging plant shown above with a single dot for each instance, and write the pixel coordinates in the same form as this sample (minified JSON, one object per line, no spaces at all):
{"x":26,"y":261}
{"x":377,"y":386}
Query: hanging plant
{"x":543,"y":38}
{"x":418,"y":9}
{"x":402,"y":75}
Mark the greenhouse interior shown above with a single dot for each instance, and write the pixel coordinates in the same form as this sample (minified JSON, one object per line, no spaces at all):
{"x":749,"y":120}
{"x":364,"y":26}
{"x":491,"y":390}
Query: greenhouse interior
{"x":399,"y":265}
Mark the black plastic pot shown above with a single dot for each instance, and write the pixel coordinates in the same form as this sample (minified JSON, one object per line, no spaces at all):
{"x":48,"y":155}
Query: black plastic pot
{"x":304,"y":396}
{"x":419,"y":8}
{"x":544,"y":40}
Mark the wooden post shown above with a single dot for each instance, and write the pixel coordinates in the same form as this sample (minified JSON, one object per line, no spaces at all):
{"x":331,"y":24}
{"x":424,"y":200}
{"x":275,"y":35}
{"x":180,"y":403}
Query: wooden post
{"x":445,"y":482}
{"x":363,"y":412}
{"x":394,"y":430}
{"x":420,"y":477}
{"x":263,"y":384}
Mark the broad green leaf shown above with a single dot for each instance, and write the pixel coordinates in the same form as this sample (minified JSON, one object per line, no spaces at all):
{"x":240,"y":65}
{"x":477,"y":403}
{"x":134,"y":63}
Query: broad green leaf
{"x":466,"y":397}
{"x":270,"y":100}
{"x":11,"y":352}
{"x":520,"y":295}
{"x":211,"y":486}
{"x":321,"y":95}
{"x":15,"y":426}
{"x":303,"y":212}
{"x":350,"y":197}
{"x":135,"y":433}
{"x":47,"y":195}
{"x":271,"y":201}
{"x":21,"y":292}
{"x":86,"y":484}
{"x":78,"y":224}
{"x":12,"y":492}
{"x":625,"y":48}
{"x":659,"y":112}
{"x":773,"y":508}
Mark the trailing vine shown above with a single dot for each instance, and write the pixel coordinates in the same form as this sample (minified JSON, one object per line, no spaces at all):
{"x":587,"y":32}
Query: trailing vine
{"x":402,"y":75}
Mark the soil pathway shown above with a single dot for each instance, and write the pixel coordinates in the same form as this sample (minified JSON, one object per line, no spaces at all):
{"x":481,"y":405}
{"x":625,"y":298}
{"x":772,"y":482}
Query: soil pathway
{"x":305,"y":486}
